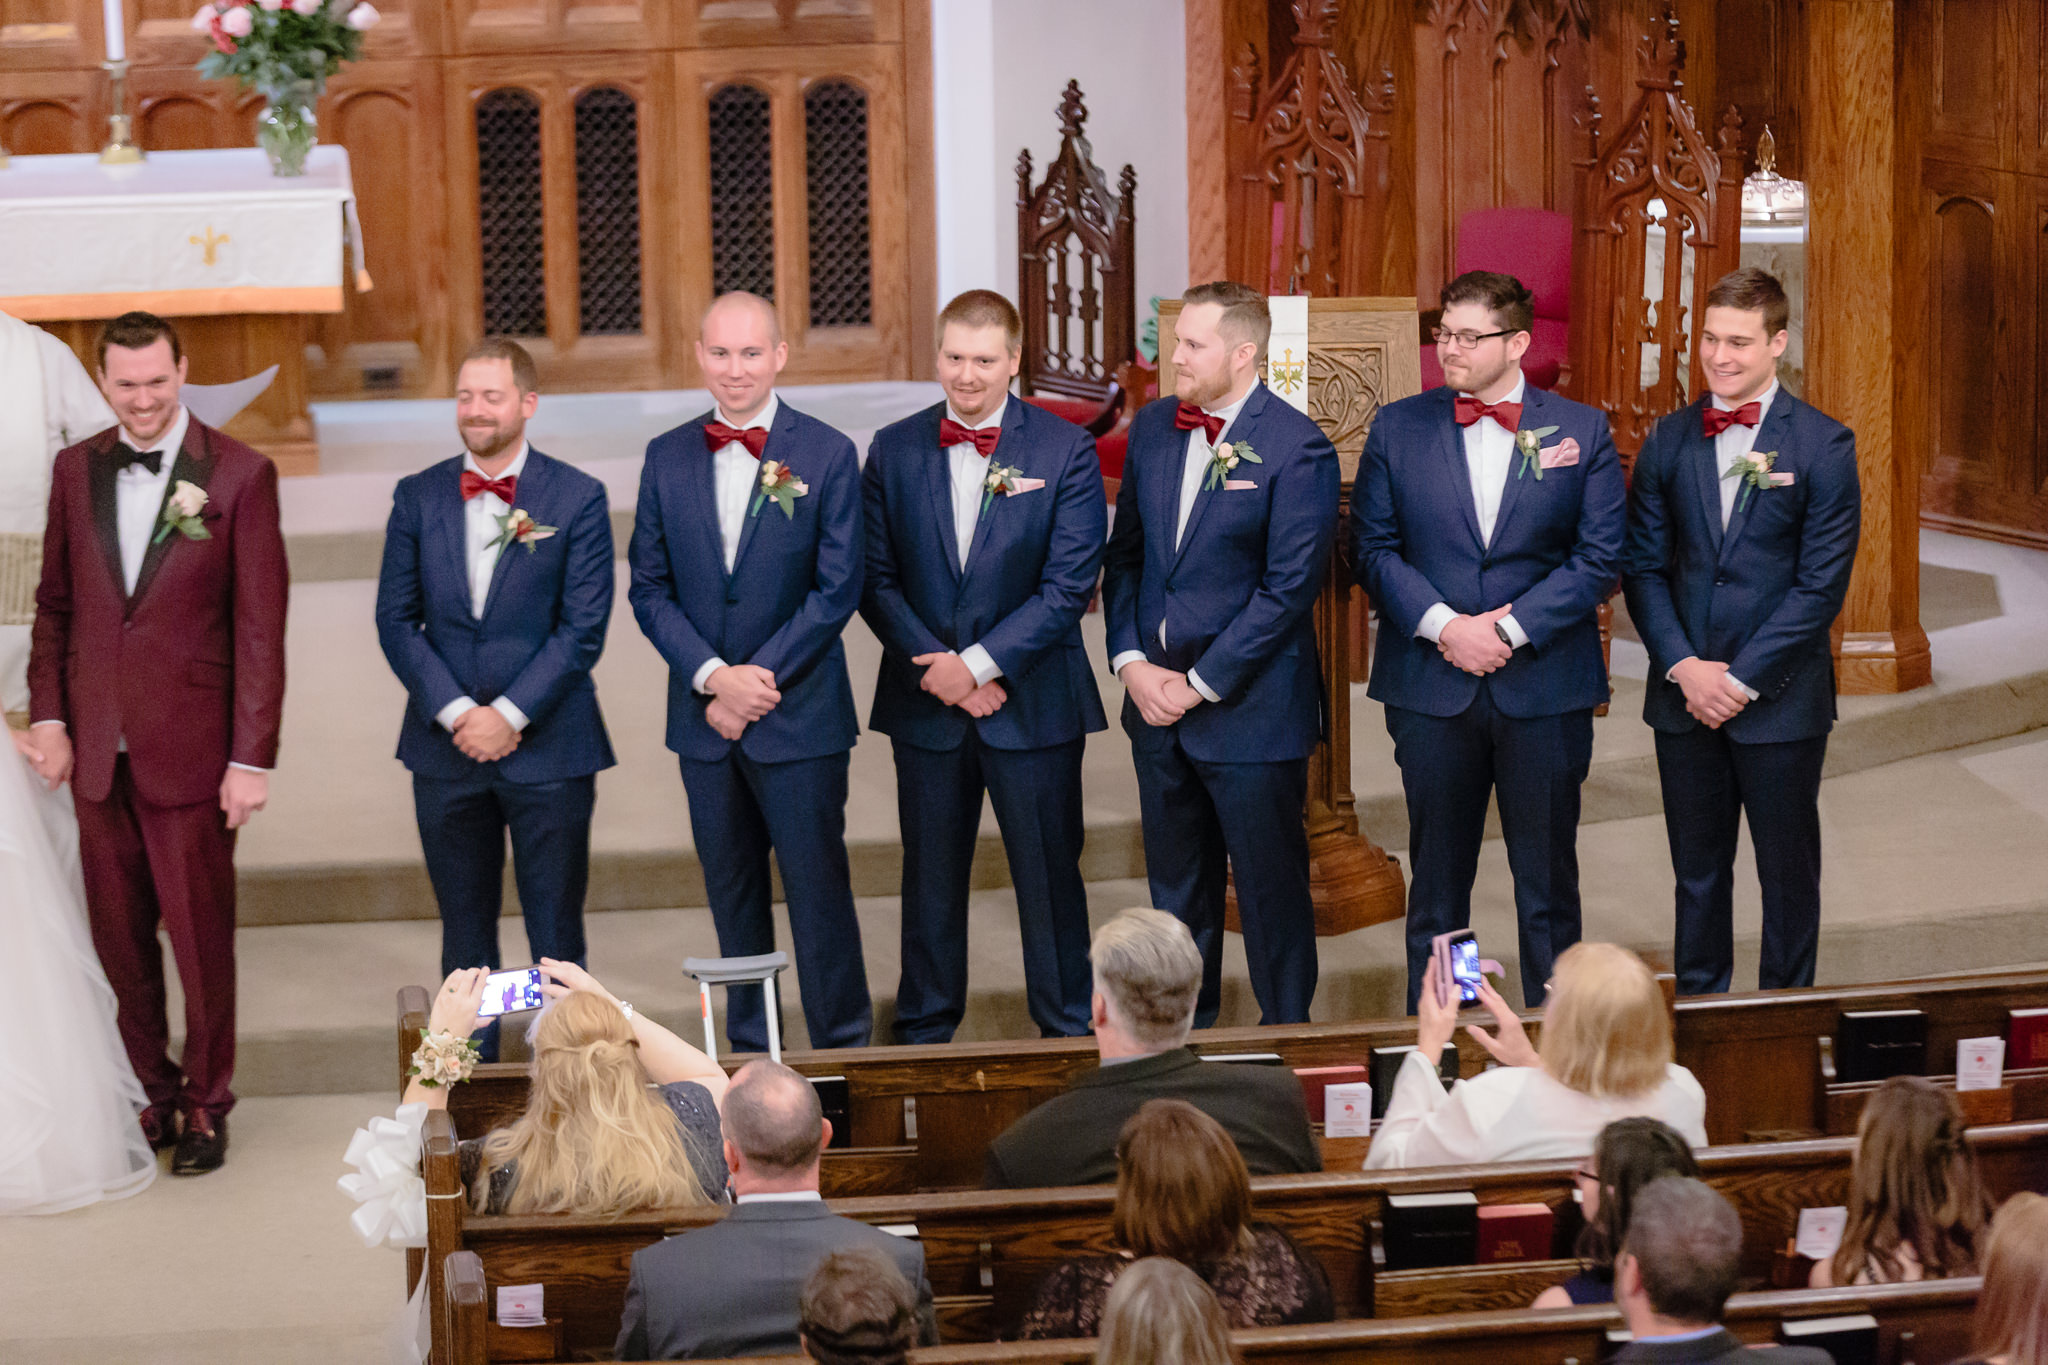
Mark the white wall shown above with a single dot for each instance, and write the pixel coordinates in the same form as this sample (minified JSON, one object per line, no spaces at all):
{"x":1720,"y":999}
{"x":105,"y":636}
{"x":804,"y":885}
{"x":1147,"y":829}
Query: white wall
{"x":999,"y":68}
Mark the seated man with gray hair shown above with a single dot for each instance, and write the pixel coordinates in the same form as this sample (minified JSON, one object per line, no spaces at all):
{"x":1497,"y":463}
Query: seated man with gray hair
{"x":736,"y":1288}
{"x":1679,"y":1262}
{"x":1147,"y":973}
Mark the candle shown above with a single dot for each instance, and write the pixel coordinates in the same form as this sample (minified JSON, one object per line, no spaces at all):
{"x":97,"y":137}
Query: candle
{"x":117,"y":31}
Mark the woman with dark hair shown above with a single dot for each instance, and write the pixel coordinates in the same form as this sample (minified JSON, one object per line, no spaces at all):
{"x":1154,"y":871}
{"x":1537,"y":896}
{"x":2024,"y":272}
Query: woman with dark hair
{"x":1182,"y":1193}
{"x":1917,"y":1208}
{"x":1628,"y":1154}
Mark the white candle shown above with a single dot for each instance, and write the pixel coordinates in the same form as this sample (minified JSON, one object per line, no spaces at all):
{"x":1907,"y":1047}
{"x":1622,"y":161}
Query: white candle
{"x":117,"y":31}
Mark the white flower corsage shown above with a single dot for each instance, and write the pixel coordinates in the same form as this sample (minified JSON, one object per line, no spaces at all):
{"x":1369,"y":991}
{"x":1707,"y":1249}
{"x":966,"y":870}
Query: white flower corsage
{"x":443,"y":1058}
{"x":1225,"y":458}
{"x":182,"y":511}
{"x":778,"y":481}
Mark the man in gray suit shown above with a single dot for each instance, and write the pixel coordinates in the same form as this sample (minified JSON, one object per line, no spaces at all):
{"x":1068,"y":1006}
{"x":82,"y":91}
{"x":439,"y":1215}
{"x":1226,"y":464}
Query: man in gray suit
{"x":734,"y":1288}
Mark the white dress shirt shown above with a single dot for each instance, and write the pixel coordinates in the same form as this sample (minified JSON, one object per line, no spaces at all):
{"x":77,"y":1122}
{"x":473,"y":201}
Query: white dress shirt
{"x":736,"y":476}
{"x":1736,"y":442}
{"x":1489,"y":460}
{"x":970,"y":478}
{"x":781,"y":1197}
{"x":1194,"y":472}
{"x":482,"y":534}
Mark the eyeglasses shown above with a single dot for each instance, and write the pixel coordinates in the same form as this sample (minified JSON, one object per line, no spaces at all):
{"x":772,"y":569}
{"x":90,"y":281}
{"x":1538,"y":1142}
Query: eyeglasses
{"x":1590,"y":1177}
{"x":1465,"y":341}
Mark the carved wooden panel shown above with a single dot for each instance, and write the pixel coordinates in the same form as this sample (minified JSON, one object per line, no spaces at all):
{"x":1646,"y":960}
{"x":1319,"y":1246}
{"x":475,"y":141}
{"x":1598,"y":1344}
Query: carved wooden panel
{"x":52,"y":111}
{"x":524,"y":26}
{"x":781,"y":23}
{"x":1966,"y":66}
{"x":49,"y":34}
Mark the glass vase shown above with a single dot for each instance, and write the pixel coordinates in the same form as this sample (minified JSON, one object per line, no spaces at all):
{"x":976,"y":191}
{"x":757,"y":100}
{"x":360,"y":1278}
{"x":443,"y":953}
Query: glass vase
{"x":287,"y":128}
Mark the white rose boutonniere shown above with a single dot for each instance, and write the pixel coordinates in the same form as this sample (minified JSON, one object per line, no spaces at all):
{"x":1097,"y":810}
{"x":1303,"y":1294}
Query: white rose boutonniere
{"x":778,"y":481}
{"x":1755,"y":470}
{"x":1225,"y":458}
{"x":182,"y":512}
{"x":516,"y":527}
{"x":1530,"y":443}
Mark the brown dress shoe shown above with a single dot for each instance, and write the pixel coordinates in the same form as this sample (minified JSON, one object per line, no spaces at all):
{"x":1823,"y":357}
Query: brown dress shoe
{"x":203,"y":1148}
{"x":159,"y":1128}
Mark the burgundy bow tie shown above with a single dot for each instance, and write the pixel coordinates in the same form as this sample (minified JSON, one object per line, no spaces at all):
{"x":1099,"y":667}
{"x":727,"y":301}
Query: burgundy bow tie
{"x":1717,"y":420}
{"x":1470,"y":410}
{"x":717,"y":436}
{"x":983,"y":439}
{"x":1187,"y":417}
{"x":474,"y":483}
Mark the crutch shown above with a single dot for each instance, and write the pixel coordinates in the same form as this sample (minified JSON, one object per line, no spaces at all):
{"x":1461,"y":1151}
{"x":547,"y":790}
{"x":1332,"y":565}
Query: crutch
{"x":739,"y":971}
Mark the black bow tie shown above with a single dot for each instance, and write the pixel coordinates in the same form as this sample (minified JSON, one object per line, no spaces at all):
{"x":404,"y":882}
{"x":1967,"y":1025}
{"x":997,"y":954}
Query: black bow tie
{"x":124,"y":455}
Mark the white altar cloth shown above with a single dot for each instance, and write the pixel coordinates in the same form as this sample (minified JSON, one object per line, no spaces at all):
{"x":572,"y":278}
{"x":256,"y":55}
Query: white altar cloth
{"x":183,"y":234}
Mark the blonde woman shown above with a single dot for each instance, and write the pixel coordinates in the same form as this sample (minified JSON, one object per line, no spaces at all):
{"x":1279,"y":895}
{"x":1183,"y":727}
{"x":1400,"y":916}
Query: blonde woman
{"x":1161,"y":1313}
{"x":2012,"y":1308}
{"x":620,"y":1115}
{"x":1606,"y":1054}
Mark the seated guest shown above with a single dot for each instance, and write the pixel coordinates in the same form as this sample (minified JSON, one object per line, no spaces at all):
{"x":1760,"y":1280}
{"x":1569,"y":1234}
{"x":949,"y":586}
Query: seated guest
{"x":1160,"y":1313}
{"x":1606,"y":1054}
{"x":597,"y":1137}
{"x":1678,"y":1266}
{"x":1182,"y":1193}
{"x":857,"y":1309}
{"x":2012,"y":1308}
{"x":1628,"y":1155}
{"x":1916,"y":1206}
{"x":1147,"y":974}
{"x":735,"y":1288}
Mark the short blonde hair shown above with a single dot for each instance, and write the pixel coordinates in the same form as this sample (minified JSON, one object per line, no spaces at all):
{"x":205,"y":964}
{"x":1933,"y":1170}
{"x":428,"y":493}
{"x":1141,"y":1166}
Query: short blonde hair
{"x":2012,"y":1308}
{"x":1606,"y":1031}
{"x":1161,"y":1313}
{"x":1147,"y":964}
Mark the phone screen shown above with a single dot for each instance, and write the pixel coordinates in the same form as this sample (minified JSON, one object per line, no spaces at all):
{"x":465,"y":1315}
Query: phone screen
{"x":508,"y":992}
{"x":1465,"y":968}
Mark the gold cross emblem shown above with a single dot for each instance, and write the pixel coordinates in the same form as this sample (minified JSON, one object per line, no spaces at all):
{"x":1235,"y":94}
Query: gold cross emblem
{"x":1287,"y":373}
{"x":212,"y":244}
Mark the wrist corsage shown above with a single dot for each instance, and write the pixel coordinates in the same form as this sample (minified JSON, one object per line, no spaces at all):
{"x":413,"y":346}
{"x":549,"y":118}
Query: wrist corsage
{"x":443,"y":1059}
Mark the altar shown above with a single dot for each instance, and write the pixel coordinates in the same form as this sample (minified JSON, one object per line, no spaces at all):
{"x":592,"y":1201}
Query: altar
{"x":239,"y":258}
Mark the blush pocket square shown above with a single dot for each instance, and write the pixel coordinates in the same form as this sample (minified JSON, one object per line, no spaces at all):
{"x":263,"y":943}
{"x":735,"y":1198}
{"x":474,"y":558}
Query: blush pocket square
{"x":1239,"y":485}
{"x":1563,"y":455}
{"x":1026,"y":485}
{"x":1781,"y":478}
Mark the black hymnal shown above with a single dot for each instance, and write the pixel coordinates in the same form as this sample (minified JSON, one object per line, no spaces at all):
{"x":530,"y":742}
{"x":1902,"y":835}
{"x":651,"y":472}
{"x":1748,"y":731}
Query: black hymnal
{"x":1851,"y":1340}
{"x":837,"y":1101}
{"x":1431,"y":1229}
{"x":1386,"y":1065}
{"x":1871,"y":1045}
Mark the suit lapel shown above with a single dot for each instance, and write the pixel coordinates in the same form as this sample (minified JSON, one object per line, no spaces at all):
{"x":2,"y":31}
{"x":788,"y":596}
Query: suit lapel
{"x":1532,"y":418}
{"x":100,"y":472}
{"x":1238,"y":430}
{"x":1699,"y":454}
{"x":697,"y":477}
{"x":190,"y":466}
{"x":1456,"y":469}
{"x":1011,"y":446}
{"x":1771,"y":435}
{"x":938,"y":470}
{"x":776,"y":449}
{"x":451,"y":517}
{"x":534,"y":482}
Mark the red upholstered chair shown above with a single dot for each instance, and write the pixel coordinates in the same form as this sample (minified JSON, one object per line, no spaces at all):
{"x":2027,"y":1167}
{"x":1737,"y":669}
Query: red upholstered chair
{"x":1535,"y":246}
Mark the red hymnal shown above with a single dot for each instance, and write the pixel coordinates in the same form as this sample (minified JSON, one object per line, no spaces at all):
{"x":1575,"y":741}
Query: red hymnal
{"x":1314,"y":1078}
{"x":2026,"y":1038}
{"x":1514,"y":1232}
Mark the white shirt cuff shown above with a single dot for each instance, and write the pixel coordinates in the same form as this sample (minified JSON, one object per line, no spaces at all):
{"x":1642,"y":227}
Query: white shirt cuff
{"x":1195,"y":681}
{"x":1129,"y":656}
{"x":980,"y":665}
{"x":1434,"y":620}
{"x":41,"y":723}
{"x":704,"y":672}
{"x":454,"y":711}
{"x":1517,"y":637}
{"x":1744,"y":687}
{"x":514,"y":717}
{"x":248,"y":767}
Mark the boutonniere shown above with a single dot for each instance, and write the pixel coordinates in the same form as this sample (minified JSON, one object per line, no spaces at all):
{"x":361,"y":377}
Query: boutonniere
{"x":1002,"y":480}
{"x":517,"y":528}
{"x":778,"y":481}
{"x":181,"y":514}
{"x":1754,"y":469}
{"x":1225,"y":458}
{"x":1530,"y":443}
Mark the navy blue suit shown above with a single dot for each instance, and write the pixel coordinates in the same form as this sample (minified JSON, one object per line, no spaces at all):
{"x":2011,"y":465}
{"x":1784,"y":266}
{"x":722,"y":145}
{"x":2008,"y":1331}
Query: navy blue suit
{"x":1236,"y":597}
{"x":540,"y":634}
{"x":1760,"y":596}
{"x":1525,"y":729}
{"x":795,"y":581}
{"x":1031,"y":568}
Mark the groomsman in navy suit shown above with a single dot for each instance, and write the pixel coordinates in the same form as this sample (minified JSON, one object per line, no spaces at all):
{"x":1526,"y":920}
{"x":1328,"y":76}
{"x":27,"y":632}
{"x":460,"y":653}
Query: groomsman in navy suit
{"x":1744,"y":514}
{"x":492,"y":608}
{"x":985,"y":524}
{"x":1487,"y":525}
{"x":1222,"y":537}
{"x":746,"y":558}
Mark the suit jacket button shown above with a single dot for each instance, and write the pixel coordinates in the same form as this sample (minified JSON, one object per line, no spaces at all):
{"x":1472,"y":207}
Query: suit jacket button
{"x":127,"y":625}
{"x":1720,"y":579}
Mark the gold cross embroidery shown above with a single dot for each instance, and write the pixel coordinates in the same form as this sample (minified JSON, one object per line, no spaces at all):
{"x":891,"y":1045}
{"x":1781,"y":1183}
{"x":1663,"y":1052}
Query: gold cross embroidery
{"x":1287,"y":373}
{"x":212,"y":244}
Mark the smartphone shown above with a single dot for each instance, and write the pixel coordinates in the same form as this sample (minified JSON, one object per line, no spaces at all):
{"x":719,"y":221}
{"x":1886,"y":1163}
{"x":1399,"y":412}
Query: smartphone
{"x":1455,"y":957}
{"x":510,"y":992}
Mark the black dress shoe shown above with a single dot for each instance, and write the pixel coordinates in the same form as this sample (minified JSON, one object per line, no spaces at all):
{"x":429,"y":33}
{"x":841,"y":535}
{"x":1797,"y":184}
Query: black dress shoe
{"x":200,"y":1150}
{"x":160,"y":1128}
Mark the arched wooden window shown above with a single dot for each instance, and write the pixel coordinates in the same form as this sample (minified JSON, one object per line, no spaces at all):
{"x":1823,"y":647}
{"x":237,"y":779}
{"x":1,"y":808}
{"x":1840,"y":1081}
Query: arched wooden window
{"x":608,"y":211}
{"x":742,"y":192}
{"x":836,"y":181}
{"x":509,"y":213}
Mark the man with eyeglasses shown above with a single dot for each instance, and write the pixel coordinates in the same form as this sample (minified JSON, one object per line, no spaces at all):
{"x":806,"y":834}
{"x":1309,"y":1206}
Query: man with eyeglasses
{"x":1487,"y":525}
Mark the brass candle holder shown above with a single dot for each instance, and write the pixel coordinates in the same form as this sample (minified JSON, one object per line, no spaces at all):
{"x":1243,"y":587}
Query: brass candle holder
{"x":120,"y":149}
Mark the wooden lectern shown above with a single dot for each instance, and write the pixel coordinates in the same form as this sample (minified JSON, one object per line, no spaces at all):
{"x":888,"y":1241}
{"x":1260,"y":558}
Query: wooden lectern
{"x":1362,"y":354}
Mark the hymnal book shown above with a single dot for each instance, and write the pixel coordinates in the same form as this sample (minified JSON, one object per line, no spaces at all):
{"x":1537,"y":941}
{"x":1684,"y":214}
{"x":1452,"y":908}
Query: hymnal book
{"x":836,"y":1100}
{"x":1386,"y":1065}
{"x":1850,"y":1339}
{"x":1314,"y":1078}
{"x":1871,"y":1045}
{"x":2026,"y":1038}
{"x":1514,"y":1232}
{"x":1430,"y":1229}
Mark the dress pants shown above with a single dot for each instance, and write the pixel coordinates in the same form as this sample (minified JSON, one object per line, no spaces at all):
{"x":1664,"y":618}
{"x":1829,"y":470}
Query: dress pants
{"x":463,"y":823}
{"x":1195,"y":816}
{"x":143,"y":864}
{"x":1709,"y":783}
{"x":1450,"y":767}
{"x":739,"y":811}
{"x":1037,"y":799}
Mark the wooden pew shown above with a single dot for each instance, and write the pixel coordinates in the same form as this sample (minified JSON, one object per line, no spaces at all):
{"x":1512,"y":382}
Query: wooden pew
{"x":2021,"y":1098}
{"x":986,"y":1251}
{"x":1923,"y":1323}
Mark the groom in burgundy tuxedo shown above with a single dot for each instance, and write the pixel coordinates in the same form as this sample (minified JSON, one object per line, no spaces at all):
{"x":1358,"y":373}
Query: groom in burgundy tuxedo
{"x":156,"y":685}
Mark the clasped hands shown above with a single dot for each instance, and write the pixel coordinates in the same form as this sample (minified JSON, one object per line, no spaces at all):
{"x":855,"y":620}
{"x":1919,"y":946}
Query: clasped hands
{"x":482,"y":733}
{"x":740,"y":695}
{"x":47,"y":749}
{"x":1163,"y":695}
{"x":1710,"y":695}
{"x":1472,"y":643}
{"x":949,"y":679}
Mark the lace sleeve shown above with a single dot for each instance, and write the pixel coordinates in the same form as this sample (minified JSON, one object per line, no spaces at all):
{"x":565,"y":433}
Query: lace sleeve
{"x":1272,"y":1284}
{"x":1069,"y":1300}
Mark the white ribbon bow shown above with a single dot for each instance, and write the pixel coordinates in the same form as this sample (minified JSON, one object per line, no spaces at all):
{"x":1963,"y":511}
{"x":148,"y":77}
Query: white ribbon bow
{"x":391,"y":1199}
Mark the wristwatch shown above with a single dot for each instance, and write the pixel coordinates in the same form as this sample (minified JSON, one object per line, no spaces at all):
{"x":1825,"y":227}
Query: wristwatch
{"x":1502,"y":631}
